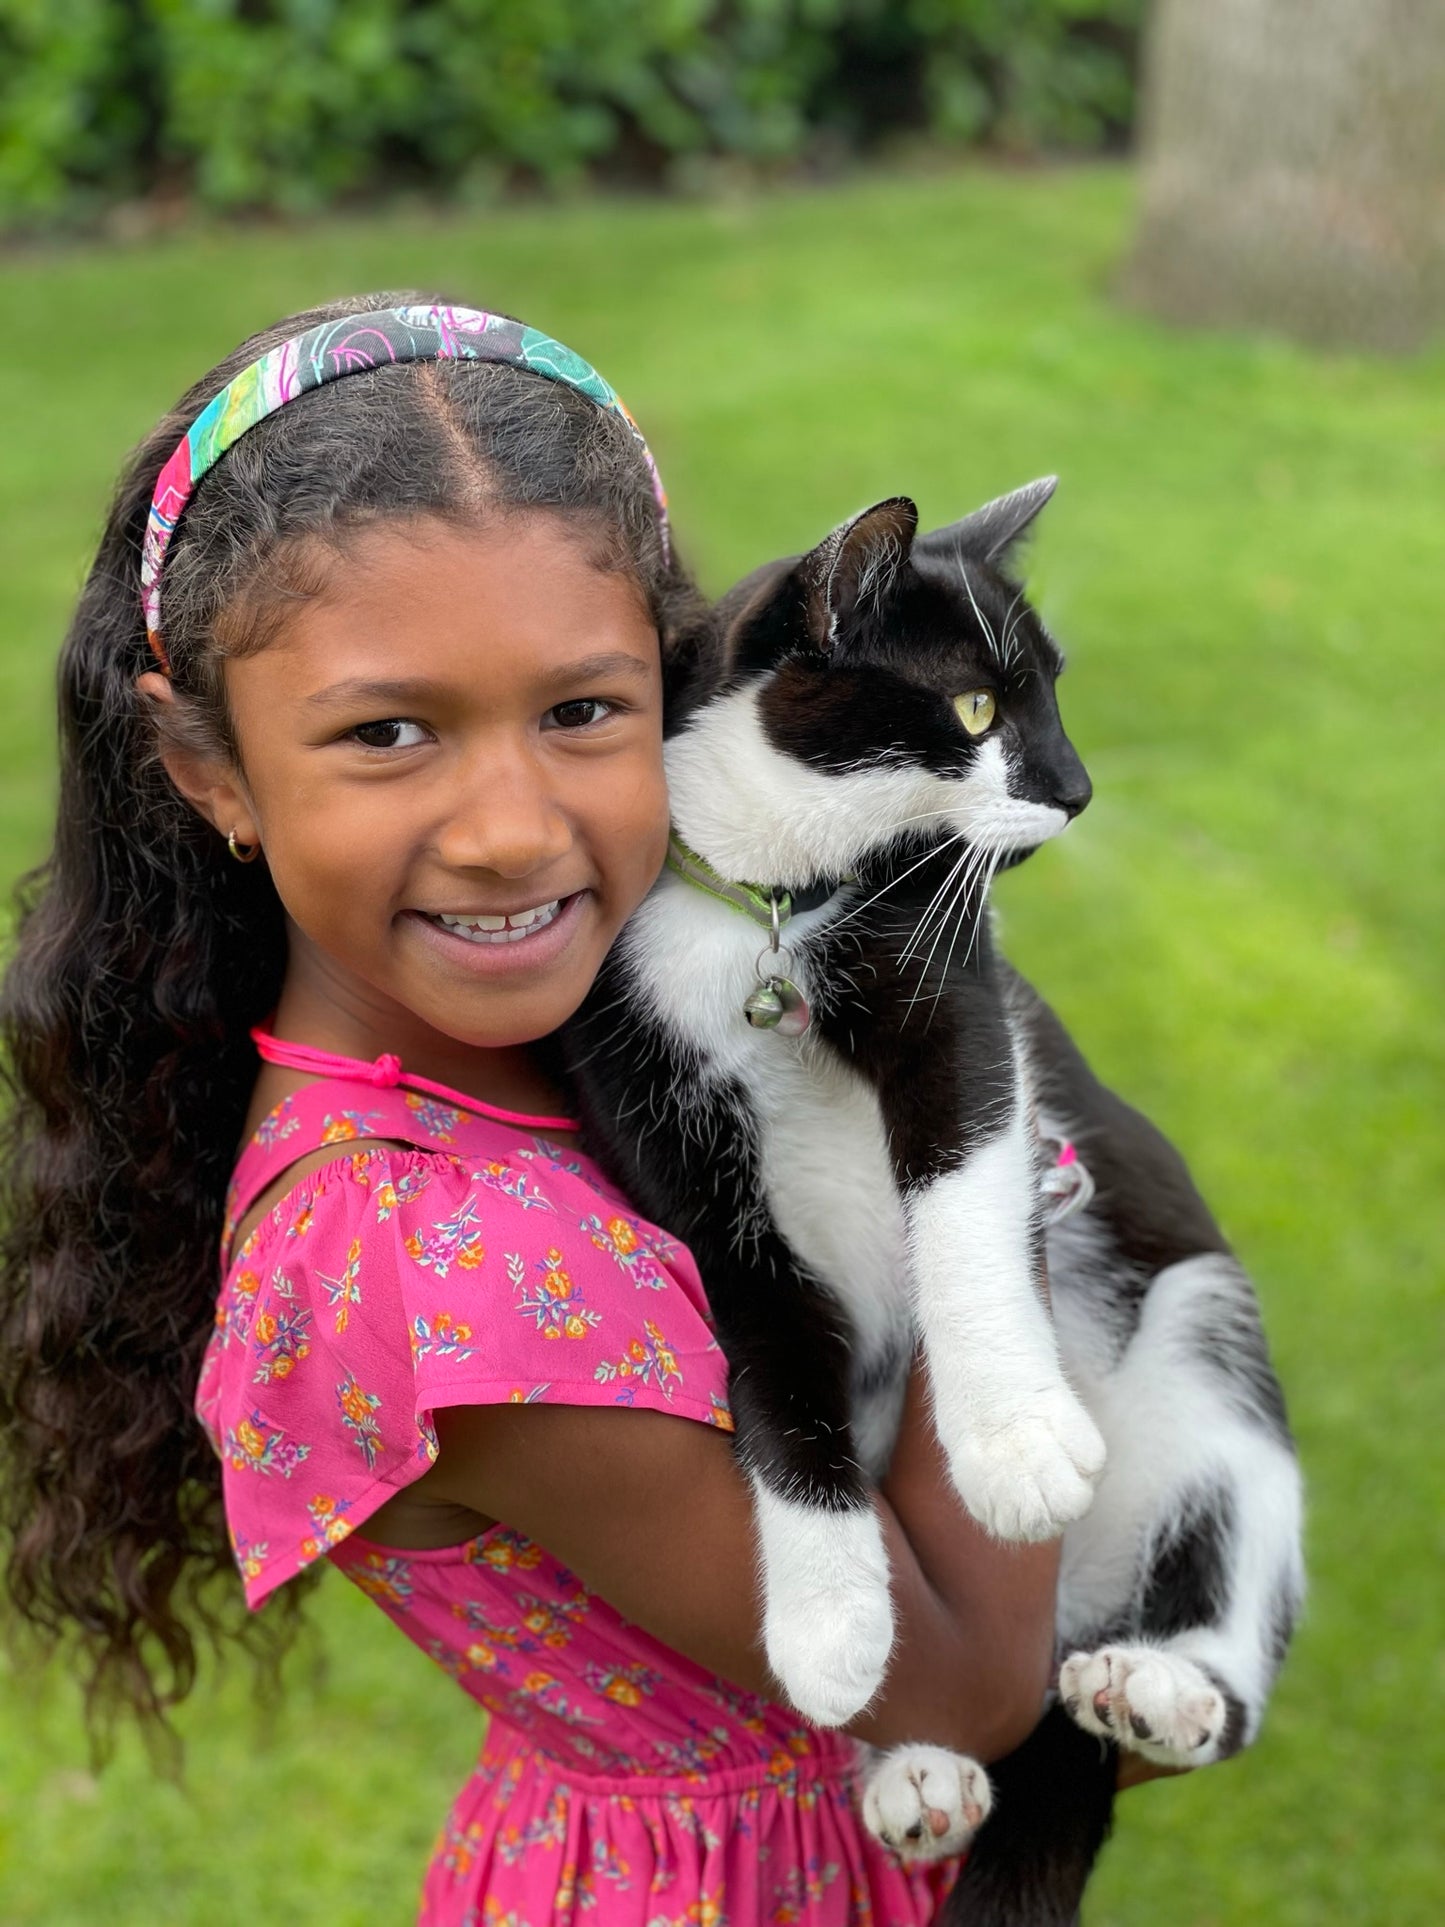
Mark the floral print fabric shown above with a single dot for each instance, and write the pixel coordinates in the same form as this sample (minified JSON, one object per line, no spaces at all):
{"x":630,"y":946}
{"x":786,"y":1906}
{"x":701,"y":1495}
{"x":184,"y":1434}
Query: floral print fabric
{"x":619,"y":1783}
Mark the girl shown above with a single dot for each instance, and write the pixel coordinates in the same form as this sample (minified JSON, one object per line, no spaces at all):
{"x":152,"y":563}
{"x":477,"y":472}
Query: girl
{"x":361,"y":747}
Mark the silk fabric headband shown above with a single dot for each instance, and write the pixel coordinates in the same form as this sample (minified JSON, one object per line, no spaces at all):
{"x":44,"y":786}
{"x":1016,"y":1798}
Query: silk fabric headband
{"x":346,"y":347}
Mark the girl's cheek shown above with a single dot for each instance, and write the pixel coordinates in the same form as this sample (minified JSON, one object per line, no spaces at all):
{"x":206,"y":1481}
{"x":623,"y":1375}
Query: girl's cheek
{"x":646,"y":831}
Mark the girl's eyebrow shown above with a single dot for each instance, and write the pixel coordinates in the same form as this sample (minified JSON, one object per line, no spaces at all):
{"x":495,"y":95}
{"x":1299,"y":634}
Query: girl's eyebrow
{"x":606,"y":662}
{"x":357,"y":689}
{"x":412,"y":689}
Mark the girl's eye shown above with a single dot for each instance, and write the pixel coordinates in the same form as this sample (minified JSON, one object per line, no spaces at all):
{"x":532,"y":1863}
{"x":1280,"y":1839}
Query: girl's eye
{"x":580,"y":714}
{"x":976,"y":710}
{"x":394,"y":733}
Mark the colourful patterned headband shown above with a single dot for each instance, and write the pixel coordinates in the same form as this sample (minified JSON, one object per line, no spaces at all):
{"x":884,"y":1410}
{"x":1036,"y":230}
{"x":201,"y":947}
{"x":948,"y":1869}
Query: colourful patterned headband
{"x":346,"y":347}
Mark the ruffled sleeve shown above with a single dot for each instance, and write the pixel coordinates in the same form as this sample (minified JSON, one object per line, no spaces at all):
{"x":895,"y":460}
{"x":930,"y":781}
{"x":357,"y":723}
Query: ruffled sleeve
{"x":393,"y":1283}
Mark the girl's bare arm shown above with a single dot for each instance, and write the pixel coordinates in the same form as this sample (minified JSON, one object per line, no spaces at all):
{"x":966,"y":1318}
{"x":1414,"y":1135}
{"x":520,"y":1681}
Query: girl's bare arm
{"x":653,"y":1514}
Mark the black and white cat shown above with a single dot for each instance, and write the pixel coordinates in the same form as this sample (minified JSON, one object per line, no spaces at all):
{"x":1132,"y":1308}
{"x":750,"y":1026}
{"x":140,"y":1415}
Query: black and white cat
{"x":873,"y":1178}
{"x":874,"y":733}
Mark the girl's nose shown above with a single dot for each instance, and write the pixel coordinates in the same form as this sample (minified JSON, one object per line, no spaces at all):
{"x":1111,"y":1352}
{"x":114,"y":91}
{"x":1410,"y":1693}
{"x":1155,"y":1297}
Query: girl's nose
{"x":506,"y":819}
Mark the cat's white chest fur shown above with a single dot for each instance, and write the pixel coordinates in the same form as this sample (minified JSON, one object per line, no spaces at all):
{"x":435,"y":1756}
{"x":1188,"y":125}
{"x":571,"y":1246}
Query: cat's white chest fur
{"x":820,"y":1144}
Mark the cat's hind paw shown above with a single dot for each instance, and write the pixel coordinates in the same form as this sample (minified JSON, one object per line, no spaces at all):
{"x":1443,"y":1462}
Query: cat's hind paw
{"x":925,"y":1803}
{"x":827,"y":1618}
{"x":1149,"y":1700}
{"x":1028,"y":1474}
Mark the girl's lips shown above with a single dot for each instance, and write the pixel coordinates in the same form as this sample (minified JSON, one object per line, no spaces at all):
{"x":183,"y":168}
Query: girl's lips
{"x":522,"y":953}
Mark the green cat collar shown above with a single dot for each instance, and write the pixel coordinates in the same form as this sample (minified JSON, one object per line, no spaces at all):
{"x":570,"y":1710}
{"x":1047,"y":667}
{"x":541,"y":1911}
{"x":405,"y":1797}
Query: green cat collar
{"x":752,"y":900}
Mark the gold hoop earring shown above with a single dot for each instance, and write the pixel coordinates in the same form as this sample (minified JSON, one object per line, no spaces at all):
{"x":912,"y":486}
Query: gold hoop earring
{"x":243,"y":853}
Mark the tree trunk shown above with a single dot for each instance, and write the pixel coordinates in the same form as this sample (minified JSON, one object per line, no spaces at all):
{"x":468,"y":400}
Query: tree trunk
{"x":1294,"y":168}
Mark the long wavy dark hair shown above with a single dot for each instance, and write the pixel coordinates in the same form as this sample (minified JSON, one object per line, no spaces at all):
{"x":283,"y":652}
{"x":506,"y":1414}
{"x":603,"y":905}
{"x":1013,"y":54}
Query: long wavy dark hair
{"x":144,"y":955}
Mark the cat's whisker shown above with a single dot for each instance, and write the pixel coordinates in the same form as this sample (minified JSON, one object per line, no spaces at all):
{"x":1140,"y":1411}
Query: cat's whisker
{"x":998,"y":856}
{"x":924,"y":815}
{"x":942,"y":889}
{"x":983,"y":622}
{"x":968,"y":864}
{"x":917,"y":936}
{"x":986,"y":867}
{"x":1010,"y":628}
{"x":893,"y":882}
{"x":960,"y":918}
{"x":981,"y":875}
{"x":934,"y":908}
{"x":959,"y":896}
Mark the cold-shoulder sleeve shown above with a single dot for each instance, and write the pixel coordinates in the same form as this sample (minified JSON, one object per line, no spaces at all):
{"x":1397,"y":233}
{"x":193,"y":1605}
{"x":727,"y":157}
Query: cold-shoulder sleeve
{"x":393,"y":1283}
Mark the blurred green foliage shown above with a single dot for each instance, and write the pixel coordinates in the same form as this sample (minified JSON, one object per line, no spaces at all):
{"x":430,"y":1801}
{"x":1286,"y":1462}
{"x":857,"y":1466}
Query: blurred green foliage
{"x":289,"y":104}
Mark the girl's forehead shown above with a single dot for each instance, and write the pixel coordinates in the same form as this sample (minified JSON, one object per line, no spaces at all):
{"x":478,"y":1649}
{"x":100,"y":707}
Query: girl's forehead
{"x":520,"y":598}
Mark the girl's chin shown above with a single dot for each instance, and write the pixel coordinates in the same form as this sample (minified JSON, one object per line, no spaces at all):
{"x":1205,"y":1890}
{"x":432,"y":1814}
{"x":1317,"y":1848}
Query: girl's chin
{"x":514,"y":964}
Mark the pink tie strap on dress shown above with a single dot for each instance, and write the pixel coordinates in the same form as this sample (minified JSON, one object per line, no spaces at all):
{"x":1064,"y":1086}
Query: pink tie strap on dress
{"x":386,"y":1072}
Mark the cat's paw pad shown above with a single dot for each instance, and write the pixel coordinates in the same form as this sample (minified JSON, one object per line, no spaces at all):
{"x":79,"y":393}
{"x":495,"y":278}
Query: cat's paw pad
{"x":1031,"y":1472}
{"x":827,"y":1617}
{"x":1153,"y":1702}
{"x":925,"y":1803}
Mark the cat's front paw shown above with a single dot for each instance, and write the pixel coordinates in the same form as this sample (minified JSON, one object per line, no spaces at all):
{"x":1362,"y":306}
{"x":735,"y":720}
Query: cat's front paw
{"x":1028,"y":1472}
{"x":827,"y":1617}
{"x":926,"y":1803}
{"x":1151,"y":1701}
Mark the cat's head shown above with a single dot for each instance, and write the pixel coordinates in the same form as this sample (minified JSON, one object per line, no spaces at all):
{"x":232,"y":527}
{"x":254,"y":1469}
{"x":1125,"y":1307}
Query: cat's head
{"x":884,"y":686}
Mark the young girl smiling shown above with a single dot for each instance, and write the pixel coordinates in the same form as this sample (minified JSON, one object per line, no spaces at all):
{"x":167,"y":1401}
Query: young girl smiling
{"x":361,"y":759}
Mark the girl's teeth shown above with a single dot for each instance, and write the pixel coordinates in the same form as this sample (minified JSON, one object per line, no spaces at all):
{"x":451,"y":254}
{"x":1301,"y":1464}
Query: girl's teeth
{"x":510,"y":929}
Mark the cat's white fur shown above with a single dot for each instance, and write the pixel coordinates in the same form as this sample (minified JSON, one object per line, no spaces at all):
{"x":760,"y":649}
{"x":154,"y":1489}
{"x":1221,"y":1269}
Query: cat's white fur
{"x":827,"y":1623}
{"x":1007,"y":1381}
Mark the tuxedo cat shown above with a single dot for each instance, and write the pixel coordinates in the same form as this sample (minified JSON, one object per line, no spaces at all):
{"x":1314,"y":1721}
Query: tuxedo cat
{"x":804,"y":1056}
{"x":865,"y":737}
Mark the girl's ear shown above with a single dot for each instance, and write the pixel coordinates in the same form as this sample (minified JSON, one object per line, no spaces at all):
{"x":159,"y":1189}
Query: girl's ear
{"x":208,"y":781}
{"x":990,"y":533}
{"x":853,"y":570}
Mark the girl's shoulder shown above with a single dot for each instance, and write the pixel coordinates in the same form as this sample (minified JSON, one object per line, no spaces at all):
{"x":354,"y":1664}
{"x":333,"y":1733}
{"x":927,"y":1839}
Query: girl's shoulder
{"x":461,"y":1261}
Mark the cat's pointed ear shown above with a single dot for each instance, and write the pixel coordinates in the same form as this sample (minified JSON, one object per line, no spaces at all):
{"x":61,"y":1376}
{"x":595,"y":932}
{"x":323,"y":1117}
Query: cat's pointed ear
{"x":990,"y":533}
{"x":853,"y":570}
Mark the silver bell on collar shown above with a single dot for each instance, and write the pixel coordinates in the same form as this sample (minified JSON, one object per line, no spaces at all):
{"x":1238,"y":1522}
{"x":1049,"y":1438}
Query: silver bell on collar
{"x":775,"y":1001}
{"x":776,"y":1004}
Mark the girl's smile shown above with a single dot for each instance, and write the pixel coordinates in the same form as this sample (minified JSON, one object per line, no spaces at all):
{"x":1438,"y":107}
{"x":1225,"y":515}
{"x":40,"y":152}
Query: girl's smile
{"x":497,"y":944}
{"x":508,"y":927}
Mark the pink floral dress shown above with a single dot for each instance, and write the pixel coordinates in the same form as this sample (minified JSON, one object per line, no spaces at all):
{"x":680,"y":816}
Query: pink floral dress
{"x":619,"y":1783}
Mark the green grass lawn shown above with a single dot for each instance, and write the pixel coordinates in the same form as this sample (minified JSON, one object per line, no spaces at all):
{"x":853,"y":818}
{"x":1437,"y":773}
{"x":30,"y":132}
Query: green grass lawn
{"x":1244,"y":563}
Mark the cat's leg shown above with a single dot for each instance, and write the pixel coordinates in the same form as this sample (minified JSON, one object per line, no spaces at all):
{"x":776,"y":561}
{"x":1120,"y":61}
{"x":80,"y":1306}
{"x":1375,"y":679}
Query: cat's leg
{"x":827,"y":1616}
{"x":1023,"y":1452}
{"x":1204,"y":1478}
{"x":923,"y":1802}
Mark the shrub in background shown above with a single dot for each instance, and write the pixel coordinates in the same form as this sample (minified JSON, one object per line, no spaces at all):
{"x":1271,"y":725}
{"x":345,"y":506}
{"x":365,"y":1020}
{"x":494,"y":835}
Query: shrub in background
{"x":290,"y":104}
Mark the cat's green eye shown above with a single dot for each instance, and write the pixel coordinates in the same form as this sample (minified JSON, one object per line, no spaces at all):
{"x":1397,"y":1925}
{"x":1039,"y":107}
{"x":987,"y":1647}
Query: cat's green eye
{"x":976,"y":710}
